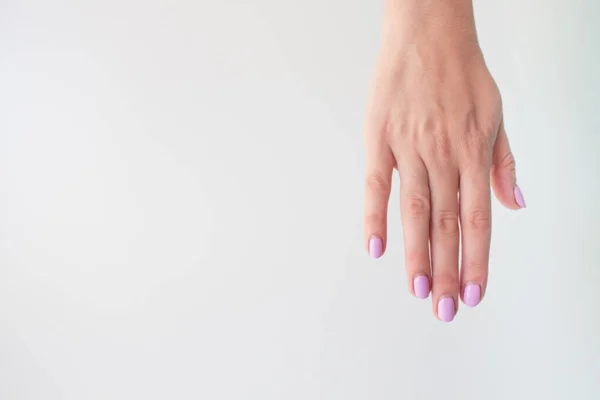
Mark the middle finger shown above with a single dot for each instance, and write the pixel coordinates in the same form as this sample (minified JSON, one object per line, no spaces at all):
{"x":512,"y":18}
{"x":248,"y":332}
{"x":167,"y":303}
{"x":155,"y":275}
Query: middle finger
{"x":445,"y":237}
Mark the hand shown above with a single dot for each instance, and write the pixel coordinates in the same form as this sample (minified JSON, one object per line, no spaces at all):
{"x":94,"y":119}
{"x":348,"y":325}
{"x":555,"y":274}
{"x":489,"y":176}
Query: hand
{"x":435,"y":114}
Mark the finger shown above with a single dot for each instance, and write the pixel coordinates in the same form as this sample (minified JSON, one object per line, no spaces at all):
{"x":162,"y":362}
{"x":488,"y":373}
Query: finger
{"x":444,"y":236}
{"x":380,"y":164}
{"x":415,"y":211}
{"x":475,"y":227}
{"x":503,"y":176}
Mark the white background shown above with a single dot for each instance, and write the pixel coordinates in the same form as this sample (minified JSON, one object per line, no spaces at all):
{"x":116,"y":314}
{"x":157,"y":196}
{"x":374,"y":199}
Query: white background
{"x":181,"y":208}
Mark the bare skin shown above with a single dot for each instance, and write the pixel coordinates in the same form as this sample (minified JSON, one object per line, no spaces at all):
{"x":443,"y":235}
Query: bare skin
{"x":435,"y":115}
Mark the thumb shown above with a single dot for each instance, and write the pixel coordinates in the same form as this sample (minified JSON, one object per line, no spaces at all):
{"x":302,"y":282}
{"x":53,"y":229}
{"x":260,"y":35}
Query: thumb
{"x":503,"y":177}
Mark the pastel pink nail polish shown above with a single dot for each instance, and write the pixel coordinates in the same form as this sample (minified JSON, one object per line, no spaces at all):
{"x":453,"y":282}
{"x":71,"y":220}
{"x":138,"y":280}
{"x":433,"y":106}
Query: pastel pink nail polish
{"x":446,"y":309}
{"x":472,"y":295}
{"x":375,"y":247}
{"x":519,"y":197}
{"x":421,"y":285}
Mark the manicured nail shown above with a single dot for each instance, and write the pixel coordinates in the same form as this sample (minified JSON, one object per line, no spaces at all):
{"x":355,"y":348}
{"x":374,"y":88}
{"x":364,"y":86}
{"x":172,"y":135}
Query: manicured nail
{"x":421,"y":285}
{"x":519,"y":197}
{"x":446,"y":309}
{"x":375,"y":247}
{"x":472,"y":295}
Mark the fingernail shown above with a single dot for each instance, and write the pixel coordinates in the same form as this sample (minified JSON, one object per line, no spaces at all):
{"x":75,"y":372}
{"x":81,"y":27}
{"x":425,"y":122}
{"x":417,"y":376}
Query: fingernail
{"x":421,"y":285}
{"x":472,"y":295}
{"x":519,"y":197}
{"x":375,"y":247}
{"x":446,"y":309}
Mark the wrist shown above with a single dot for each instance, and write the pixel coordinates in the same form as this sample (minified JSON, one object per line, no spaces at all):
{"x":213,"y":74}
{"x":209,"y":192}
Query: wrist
{"x":444,"y":21}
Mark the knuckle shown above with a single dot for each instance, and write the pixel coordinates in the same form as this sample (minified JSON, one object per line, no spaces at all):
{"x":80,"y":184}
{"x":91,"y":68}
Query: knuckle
{"x":477,"y":270}
{"x":377,"y":183}
{"x":443,"y":147}
{"x":446,"y":223}
{"x":508,"y":161}
{"x":394,"y":128}
{"x":477,"y":149}
{"x":479,"y":221}
{"x":417,"y":206}
{"x":478,"y":141}
{"x":445,"y":281}
{"x":417,"y":260}
{"x":375,"y":219}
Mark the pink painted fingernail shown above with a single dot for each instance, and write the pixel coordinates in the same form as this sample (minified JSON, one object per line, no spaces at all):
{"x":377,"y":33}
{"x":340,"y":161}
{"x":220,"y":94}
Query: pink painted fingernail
{"x":421,"y":285}
{"x":375,"y":247}
{"x":446,"y":309}
{"x":472,"y":295}
{"x":519,"y":197}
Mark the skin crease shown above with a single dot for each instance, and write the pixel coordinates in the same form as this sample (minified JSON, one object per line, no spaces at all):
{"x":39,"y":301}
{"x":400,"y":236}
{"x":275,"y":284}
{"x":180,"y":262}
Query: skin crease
{"x":435,"y":115}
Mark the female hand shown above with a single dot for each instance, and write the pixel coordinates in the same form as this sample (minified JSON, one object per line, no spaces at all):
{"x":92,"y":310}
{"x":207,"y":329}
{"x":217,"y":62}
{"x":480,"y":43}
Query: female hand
{"x":435,"y":114}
